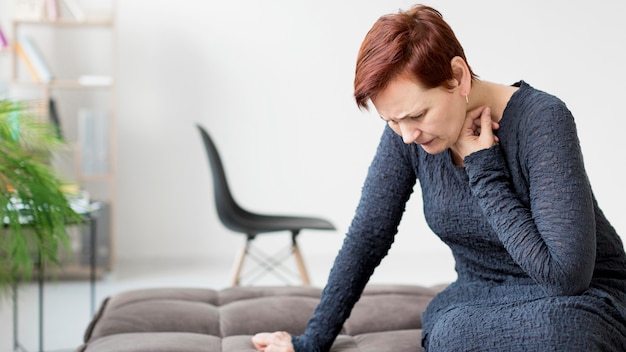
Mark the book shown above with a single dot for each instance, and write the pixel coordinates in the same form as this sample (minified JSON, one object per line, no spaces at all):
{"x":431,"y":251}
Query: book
{"x":52,"y":9}
{"x":37,"y":61}
{"x":74,"y":8}
{"x":4,"y":43}
{"x":27,"y":63}
{"x":54,"y":117}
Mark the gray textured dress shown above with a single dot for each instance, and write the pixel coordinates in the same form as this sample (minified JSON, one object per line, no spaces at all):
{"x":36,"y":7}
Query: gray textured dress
{"x":539,"y":266}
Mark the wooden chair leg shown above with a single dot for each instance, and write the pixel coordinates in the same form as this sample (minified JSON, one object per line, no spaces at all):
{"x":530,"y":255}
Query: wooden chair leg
{"x":245,"y":251}
{"x":300,"y":262}
{"x":238,"y":265}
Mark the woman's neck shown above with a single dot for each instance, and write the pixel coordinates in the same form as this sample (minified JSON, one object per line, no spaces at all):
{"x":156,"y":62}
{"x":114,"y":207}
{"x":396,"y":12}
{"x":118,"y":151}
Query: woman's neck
{"x":490,"y":94}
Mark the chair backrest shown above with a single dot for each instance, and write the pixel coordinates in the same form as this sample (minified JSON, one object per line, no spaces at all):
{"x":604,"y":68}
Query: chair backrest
{"x":227,"y":208}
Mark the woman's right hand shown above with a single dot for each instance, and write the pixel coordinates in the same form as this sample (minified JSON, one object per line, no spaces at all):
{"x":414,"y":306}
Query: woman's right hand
{"x":477,"y":132}
{"x":278,"y":341}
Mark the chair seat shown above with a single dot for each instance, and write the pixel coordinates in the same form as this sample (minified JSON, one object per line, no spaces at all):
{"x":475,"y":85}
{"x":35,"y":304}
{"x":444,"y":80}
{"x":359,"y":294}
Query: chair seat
{"x":260,"y":223}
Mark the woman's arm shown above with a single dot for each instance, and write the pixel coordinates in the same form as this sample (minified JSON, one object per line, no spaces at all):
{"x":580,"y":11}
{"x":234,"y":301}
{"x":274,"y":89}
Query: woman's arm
{"x":387,"y":188}
{"x":552,"y":237}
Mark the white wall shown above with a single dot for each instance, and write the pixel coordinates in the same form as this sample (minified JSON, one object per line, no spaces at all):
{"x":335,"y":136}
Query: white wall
{"x":272,"y":81}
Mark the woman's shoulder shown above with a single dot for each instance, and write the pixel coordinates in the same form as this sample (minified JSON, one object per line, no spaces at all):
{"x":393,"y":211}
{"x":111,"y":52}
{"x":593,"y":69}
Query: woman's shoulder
{"x":534,"y":117}
{"x":529,"y":98}
{"x":530,"y":108}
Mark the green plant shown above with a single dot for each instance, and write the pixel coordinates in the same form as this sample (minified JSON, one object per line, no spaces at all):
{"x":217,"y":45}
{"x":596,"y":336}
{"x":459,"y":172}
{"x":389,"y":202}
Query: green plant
{"x":33,"y":207}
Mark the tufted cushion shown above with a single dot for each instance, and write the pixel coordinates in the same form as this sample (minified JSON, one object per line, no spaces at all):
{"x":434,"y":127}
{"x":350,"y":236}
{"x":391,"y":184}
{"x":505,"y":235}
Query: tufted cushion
{"x":386,"y":318}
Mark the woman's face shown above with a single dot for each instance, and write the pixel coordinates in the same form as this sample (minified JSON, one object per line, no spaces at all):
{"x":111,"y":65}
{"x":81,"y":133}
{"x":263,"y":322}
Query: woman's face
{"x":432,"y":118}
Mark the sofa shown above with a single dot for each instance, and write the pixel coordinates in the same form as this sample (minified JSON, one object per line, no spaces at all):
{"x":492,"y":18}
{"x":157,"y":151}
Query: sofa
{"x":386,"y":318}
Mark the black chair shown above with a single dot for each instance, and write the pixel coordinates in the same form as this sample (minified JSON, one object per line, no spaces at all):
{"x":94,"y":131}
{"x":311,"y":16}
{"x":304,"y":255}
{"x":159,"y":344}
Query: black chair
{"x":242,"y":221}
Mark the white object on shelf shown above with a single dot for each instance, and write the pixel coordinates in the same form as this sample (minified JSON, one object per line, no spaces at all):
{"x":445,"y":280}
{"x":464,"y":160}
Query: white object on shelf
{"x":95,"y":80}
{"x":93,"y":129}
{"x":98,"y":10}
{"x":29,"y":10}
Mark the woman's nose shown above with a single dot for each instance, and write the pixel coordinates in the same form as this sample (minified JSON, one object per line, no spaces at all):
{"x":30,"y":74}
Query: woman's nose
{"x":409,"y":132}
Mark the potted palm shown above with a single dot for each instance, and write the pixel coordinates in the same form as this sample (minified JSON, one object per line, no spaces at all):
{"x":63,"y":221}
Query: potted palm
{"x":33,"y":207}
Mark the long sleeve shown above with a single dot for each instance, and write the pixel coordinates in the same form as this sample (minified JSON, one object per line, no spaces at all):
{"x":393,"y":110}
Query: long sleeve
{"x":549,"y":227}
{"x":387,"y":188}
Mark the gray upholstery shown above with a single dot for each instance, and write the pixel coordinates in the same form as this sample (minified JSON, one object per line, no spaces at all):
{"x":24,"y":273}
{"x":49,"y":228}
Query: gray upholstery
{"x":386,"y":318}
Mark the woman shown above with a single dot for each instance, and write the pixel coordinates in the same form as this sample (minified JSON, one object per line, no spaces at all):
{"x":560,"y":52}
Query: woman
{"x":503,"y":185}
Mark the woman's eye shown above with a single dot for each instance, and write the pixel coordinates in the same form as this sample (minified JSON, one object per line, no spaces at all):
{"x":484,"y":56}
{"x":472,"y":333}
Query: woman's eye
{"x":417,"y":117}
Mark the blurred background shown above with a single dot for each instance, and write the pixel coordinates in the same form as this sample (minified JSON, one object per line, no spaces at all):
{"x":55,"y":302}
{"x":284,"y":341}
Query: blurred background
{"x":272,"y":82}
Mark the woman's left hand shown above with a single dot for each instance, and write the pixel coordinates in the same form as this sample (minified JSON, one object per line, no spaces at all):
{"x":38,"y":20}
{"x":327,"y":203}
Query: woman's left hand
{"x":477,"y":132}
{"x":278,"y":341}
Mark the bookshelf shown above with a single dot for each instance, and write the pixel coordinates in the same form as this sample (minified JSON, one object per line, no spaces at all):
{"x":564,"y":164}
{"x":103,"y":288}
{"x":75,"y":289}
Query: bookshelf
{"x":77,"y":93}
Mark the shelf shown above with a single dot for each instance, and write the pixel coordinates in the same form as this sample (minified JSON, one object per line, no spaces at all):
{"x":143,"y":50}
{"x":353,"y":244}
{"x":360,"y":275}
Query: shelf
{"x":68,"y":22}
{"x":70,"y":272}
{"x":66,"y":84}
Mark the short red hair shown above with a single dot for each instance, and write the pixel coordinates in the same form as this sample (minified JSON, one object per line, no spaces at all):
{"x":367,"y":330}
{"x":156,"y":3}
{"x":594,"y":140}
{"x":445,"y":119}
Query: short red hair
{"x":417,"y":43}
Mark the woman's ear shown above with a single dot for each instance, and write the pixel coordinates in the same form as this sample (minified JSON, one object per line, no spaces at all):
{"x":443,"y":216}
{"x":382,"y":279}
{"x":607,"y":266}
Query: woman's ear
{"x":461,"y":75}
